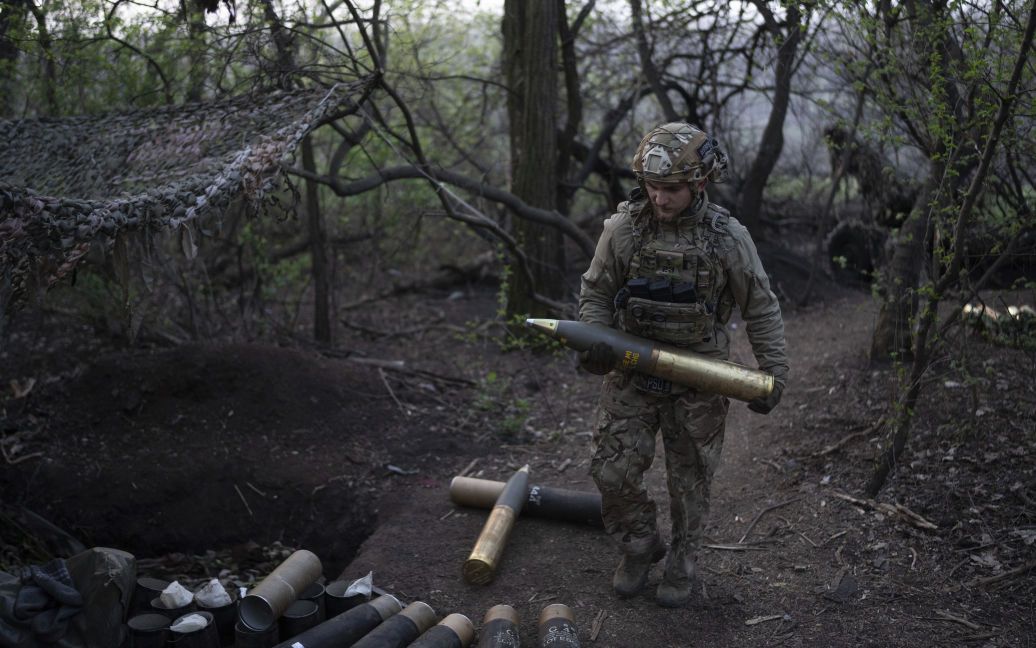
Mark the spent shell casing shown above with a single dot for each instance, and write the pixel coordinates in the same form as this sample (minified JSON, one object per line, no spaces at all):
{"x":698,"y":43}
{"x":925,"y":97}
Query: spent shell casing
{"x":399,"y":630}
{"x":661,"y":360}
{"x":500,"y":628}
{"x":455,"y":631}
{"x":542,"y":501}
{"x":557,"y":627}
{"x":265,"y":603}
{"x":481,"y":565}
{"x":348,"y":627}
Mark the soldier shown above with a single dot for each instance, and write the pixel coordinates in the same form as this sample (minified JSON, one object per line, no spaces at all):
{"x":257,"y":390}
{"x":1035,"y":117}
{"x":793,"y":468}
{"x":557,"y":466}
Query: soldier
{"x":671,"y":266}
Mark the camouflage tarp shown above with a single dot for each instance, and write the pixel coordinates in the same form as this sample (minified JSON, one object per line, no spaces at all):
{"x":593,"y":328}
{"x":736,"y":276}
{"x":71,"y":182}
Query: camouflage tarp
{"x":69,"y":183}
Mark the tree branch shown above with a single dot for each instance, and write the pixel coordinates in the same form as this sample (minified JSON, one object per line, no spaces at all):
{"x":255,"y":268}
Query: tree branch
{"x":535,"y":214}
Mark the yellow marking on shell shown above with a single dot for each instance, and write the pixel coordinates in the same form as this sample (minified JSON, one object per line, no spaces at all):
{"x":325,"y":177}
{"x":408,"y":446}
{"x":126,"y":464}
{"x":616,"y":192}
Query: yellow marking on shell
{"x":630,"y":360}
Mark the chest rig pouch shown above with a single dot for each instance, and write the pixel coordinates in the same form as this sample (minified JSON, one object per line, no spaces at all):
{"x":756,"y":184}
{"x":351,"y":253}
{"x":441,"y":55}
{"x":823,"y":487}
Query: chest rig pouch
{"x":679,"y":259}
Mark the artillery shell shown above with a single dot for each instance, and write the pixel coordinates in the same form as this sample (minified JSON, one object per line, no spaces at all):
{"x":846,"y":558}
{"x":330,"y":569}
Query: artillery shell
{"x":499,"y":628}
{"x":400,"y":630}
{"x":349,"y":626}
{"x":557,"y":627}
{"x":455,"y":631}
{"x":656,"y":359}
{"x":542,"y":501}
{"x":481,"y":565}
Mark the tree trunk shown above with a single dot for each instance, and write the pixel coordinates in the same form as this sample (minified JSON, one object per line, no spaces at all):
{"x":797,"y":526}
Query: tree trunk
{"x":573,"y":112}
{"x":196,"y":51}
{"x":12,"y":14}
{"x":773,"y":135}
{"x":893,"y":333}
{"x":530,"y":31}
{"x":318,"y":249}
{"x":50,"y":76}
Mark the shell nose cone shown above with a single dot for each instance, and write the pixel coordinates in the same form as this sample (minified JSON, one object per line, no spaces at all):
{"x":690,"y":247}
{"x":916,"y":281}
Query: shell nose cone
{"x":548,"y":326}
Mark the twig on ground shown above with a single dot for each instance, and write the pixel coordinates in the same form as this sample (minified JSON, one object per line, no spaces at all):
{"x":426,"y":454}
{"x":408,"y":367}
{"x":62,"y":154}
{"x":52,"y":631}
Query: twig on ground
{"x":18,"y":460}
{"x":807,"y":539}
{"x":378,"y":362}
{"x":384,"y":380}
{"x":564,"y":464}
{"x":595,"y":629}
{"x":897,"y":510}
{"x":762,"y":513}
{"x":244,"y":501}
{"x":257,"y":491}
{"x":1011,"y":573}
{"x":913,"y":560}
{"x":448,"y":514}
{"x":737,"y":547}
{"x":834,"y":537}
{"x":835,"y":446}
{"x":764,"y":619}
{"x":467,"y":469}
{"x":947,"y":616}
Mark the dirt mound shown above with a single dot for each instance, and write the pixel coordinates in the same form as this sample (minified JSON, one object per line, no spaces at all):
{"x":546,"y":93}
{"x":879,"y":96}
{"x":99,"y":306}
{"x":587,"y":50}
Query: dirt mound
{"x":207,"y":446}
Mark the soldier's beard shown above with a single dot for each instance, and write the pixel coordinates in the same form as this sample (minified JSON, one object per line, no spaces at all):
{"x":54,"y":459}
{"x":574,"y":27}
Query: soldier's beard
{"x":673,"y":213}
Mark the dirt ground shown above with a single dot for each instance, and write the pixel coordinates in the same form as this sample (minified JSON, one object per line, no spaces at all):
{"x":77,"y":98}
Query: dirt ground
{"x":211,"y":459}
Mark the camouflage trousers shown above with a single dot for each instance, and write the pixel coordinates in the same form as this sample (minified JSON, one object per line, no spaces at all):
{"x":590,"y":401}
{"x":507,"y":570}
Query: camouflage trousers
{"x":623,"y":449}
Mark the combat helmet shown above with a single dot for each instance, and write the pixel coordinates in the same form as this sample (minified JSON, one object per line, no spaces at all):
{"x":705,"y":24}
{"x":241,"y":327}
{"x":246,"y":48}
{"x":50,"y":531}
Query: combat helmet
{"x":679,"y":152}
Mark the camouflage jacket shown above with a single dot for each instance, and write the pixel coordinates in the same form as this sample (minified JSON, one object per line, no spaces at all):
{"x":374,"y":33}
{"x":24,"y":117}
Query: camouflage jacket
{"x":707,"y":231}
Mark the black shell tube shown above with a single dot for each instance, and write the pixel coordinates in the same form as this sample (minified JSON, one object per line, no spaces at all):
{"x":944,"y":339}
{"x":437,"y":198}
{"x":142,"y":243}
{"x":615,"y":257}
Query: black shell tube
{"x":557,"y":628}
{"x":455,"y":631}
{"x":400,"y":630}
{"x":347,"y":627}
{"x":500,"y":628}
{"x":578,"y":507}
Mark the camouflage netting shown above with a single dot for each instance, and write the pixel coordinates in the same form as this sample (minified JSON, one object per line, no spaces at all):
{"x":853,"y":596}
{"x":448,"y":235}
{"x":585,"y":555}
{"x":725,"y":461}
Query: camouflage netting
{"x":67,"y":184}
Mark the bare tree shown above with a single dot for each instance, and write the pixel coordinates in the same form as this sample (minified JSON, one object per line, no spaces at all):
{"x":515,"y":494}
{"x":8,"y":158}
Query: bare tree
{"x":787,"y":34}
{"x":530,"y":31}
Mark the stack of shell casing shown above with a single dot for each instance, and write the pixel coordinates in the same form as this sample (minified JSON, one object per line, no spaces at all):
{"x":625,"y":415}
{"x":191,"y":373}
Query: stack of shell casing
{"x":481,"y":565}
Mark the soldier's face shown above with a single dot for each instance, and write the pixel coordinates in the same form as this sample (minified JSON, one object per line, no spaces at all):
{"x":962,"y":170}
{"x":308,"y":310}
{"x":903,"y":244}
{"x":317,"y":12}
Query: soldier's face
{"x":669,"y":199}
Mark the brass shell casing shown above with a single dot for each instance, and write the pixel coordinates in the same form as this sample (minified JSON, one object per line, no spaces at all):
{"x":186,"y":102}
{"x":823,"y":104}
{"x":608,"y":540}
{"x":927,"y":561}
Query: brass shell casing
{"x":632,"y":353}
{"x":501,"y":611}
{"x":482,"y":563}
{"x":711,"y":375}
{"x":556,"y":611}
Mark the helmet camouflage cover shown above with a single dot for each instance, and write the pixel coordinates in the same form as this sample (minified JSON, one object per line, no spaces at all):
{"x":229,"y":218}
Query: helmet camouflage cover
{"x":679,"y":152}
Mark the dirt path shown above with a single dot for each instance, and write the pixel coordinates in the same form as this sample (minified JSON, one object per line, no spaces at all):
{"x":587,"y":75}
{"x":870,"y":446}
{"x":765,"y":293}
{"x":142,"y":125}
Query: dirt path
{"x":813,"y":571}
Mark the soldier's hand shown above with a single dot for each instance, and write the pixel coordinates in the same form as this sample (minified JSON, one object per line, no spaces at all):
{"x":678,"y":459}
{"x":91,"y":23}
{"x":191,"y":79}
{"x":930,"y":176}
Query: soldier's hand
{"x":597,"y":359}
{"x":766,"y":405}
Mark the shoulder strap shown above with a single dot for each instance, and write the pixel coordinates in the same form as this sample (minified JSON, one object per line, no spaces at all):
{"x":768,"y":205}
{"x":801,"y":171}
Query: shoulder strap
{"x":717,"y":218}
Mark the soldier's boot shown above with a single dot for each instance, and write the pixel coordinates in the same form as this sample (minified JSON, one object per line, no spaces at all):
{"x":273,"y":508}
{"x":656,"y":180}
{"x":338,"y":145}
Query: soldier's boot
{"x":632,"y":573}
{"x":675,"y":589}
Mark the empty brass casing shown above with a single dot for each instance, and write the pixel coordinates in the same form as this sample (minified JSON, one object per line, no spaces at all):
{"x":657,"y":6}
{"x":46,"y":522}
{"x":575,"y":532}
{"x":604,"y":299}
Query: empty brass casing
{"x":481,"y":564}
{"x":485,"y":557}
